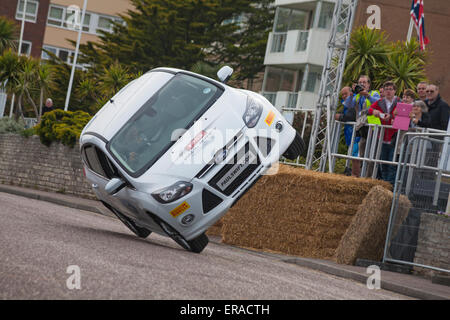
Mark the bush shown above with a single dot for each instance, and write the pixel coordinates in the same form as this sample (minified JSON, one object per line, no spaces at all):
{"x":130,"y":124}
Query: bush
{"x":62,"y":126}
{"x":9,"y":125}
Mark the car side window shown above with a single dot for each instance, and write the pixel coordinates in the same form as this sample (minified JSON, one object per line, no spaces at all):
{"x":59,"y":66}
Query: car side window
{"x":98,"y":162}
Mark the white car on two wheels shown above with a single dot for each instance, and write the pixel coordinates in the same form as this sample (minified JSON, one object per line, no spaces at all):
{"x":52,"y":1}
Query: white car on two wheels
{"x":172,"y":151}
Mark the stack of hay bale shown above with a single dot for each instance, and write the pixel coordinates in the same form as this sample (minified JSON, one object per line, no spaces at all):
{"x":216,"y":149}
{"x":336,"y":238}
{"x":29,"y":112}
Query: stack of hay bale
{"x":298,"y":212}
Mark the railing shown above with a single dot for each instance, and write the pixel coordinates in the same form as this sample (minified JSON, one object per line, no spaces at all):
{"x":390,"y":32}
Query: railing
{"x":418,"y":232}
{"x":371,"y":156}
{"x":271,"y":96}
{"x":292,"y":100}
{"x":278,"y":41}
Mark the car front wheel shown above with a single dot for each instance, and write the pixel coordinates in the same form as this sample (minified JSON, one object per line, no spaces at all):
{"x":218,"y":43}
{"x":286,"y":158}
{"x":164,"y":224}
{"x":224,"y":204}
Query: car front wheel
{"x":195,"y":245}
{"x":296,"y":149}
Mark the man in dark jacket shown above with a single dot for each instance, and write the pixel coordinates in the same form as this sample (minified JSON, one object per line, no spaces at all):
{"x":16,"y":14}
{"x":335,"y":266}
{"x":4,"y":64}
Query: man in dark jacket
{"x":438,"y":109}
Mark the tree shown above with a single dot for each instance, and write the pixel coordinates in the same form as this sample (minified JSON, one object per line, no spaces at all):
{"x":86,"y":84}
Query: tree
{"x":405,"y":66}
{"x":244,"y":50}
{"x":45,"y":75}
{"x":8,"y":34}
{"x":366,"y":55}
{"x":371,"y":54}
{"x":179,"y":34}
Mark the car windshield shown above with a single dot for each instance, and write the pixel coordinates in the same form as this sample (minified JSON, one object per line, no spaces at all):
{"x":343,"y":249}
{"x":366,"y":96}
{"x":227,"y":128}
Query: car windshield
{"x":145,"y":138}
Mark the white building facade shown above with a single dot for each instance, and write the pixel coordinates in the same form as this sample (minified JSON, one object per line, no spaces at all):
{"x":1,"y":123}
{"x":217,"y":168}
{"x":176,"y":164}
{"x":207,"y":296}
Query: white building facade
{"x":296,"y":52}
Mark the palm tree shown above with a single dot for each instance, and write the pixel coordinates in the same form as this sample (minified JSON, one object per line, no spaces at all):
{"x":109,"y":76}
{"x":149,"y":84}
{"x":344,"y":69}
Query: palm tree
{"x":366,"y":55}
{"x":27,"y":80}
{"x":10,"y":66}
{"x":406,"y":70}
{"x":8,"y":34}
{"x":113,"y":79}
{"x":45,"y":76}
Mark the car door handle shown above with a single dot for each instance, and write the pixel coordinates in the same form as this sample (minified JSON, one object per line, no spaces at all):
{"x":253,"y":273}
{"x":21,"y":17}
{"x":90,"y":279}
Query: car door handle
{"x":95,"y":186}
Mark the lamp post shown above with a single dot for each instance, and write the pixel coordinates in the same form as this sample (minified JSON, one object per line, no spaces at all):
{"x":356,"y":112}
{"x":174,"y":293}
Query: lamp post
{"x":69,"y":89}
{"x":22,"y":27}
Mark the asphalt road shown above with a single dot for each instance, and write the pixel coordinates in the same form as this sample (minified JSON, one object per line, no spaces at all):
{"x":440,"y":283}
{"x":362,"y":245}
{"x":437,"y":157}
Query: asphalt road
{"x":40,"y":243}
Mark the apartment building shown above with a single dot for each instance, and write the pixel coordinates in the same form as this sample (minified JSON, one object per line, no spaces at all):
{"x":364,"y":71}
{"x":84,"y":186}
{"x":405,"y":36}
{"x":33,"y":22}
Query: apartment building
{"x":297,"y":46}
{"x":49,"y":24}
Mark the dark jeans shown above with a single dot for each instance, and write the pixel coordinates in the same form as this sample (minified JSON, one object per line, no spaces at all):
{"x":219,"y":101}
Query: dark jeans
{"x":388,"y":171}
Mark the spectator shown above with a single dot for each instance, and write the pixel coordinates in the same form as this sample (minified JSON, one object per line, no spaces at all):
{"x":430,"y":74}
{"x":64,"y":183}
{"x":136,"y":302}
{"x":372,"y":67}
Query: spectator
{"x":437,"y":109}
{"x":419,"y":115}
{"x":419,"y":118}
{"x":381,"y":90}
{"x":348,"y":115}
{"x":384,"y":109}
{"x":362,"y":101}
{"x":408,"y":96}
{"x":48,"y":106}
{"x":422,"y":90}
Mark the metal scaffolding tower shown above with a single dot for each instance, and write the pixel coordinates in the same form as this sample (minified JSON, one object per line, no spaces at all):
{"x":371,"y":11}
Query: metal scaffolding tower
{"x":341,"y":28}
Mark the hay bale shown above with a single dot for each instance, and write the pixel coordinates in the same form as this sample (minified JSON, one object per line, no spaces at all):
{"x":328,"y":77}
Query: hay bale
{"x":296,"y":211}
{"x":366,"y":236}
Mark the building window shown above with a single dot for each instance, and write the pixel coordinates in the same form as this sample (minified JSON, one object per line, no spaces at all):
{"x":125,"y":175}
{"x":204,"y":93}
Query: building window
{"x":312,"y":85}
{"x":26,"y":47}
{"x":64,"y":17}
{"x":65,"y":55}
{"x":31,"y":10}
{"x":326,"y":15}
{"x":291,"y":19}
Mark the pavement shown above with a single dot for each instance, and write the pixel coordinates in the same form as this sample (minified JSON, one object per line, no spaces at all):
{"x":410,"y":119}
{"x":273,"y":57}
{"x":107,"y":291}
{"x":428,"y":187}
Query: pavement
{"x":407,"y":284}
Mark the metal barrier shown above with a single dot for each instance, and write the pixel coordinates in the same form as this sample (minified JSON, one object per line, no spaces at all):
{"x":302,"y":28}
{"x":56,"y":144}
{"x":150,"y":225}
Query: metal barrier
{"x":418,"y":232}
{"x":30,"y":122}
{"x":308,"y":114}
{"x":370,"y":157}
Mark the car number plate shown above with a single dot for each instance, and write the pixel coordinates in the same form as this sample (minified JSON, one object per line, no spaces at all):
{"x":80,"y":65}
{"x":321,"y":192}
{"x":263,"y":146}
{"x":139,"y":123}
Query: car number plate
{"x":235,"y":170}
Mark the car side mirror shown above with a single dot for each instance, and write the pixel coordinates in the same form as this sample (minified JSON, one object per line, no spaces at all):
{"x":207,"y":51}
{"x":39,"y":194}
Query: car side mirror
{"x":224,"y":74}
{"x":114,"y":186}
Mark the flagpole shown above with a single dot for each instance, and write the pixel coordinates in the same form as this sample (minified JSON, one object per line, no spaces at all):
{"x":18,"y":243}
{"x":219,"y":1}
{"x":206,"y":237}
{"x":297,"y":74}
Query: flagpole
{"x":74,"y":62}
{"x":410,"y":30}
{"x":19,"y":50}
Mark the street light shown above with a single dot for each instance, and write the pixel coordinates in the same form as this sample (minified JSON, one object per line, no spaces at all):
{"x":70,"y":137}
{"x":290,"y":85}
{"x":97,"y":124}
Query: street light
{"x":69,"y":89}
{"x":22,"y":27}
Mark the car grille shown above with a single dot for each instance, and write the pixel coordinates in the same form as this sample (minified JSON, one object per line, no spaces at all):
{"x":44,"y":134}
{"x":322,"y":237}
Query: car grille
{"x":236,"y":171}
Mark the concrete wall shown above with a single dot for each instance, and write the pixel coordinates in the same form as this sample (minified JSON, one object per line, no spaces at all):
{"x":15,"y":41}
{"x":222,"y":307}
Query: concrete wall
{"x":28,"y":163}
{"x":433,"y":243}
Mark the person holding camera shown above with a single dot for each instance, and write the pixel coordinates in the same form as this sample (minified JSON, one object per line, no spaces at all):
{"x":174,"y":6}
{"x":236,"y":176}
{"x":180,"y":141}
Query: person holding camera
{"x":362,"y":100}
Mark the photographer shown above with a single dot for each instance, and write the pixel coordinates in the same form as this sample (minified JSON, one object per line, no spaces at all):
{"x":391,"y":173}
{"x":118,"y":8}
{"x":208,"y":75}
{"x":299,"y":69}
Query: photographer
{"x":363,"y":99}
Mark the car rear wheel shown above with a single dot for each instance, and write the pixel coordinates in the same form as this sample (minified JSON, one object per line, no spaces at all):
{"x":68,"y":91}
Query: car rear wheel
{"x":195,"y":245}
{"x":296,"y":149}
{"x":139,"y":231}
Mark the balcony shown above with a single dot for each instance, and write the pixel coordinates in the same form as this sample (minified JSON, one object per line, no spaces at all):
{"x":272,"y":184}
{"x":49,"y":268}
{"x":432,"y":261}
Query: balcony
{"x":293,"y":100}
{"x":297,"y":47}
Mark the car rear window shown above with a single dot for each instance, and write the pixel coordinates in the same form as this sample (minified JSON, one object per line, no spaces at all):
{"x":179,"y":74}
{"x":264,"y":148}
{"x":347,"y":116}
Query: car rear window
{"x":147,"y":135}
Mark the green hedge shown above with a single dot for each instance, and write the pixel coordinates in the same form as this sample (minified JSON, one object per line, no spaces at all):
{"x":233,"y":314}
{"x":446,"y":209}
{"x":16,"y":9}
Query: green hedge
{"x":9,"y":125}
{"x":62,"y":126}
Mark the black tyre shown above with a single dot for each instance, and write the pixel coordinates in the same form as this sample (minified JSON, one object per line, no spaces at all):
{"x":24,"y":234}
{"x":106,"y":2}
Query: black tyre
{"x":296,"y":149}
{"x":139,"y":231}
{"x":195,"y":245}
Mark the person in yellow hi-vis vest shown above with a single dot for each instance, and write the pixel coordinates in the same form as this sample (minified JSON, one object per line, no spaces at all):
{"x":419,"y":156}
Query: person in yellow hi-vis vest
{"x":362,"y":100}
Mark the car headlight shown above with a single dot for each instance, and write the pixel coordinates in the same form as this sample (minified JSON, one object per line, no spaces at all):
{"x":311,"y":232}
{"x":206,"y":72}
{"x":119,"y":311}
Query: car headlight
{"x":252,"y":112}
{"x":172,"y":193}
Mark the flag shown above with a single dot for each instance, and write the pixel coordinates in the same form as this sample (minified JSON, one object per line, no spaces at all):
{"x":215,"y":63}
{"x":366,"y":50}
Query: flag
{"x":418,"y":17}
